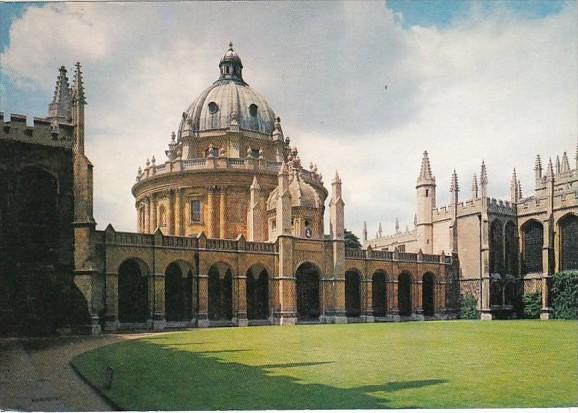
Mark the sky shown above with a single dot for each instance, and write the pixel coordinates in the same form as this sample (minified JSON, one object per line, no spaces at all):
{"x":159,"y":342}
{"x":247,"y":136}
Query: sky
{"x":361,"y":87}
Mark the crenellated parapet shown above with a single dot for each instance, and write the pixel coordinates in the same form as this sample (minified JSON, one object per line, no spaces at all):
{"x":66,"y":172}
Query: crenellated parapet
{"x":15,"y":127}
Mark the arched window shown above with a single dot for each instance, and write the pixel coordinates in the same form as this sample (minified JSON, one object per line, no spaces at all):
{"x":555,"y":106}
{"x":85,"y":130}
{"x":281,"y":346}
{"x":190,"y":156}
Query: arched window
{"x":496,"y":247}
{"x":533,"y":242}
{"x":511,"y":249}
{"x":569,"y":243}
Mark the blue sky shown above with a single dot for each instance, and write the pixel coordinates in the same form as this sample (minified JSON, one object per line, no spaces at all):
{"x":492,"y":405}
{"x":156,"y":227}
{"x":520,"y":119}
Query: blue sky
{"x":442,"y":13}
{"x":468,"y":81}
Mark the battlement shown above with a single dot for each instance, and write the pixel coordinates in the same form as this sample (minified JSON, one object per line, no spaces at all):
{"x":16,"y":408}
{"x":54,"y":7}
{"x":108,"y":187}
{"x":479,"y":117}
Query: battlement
{"x":501,"y":207}
{"x":16,"y":127}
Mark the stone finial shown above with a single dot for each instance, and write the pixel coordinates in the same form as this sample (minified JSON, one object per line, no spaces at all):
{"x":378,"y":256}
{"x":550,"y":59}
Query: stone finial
{"x":148,"y":163}
{"x":60,"y":107}
{"x":475,"y":189}
{"x":396,"y":225}
{"x":249,"y":152}
{"x":558,"y":166}
{"x":153,"y":160}
{"x":519,"y":190}
{"x":337,"y":179}
{"x":277,"y":131}
{"x":538,"y":170}
{"x":255,"y":184}
{"x":172,"y":153}
{"x":415,"y":220}
{"x":514,"y":190}
{"x":550,"y":169}
{"x":380,"y":230}
{"x":261,"y":153}
{"x":565,"y":164}
{"x":364,"y":231}
{"x":78,"y":85}
{"x":454,"y":186}
{"x":484,"y":174}
{"x":425,"y":173}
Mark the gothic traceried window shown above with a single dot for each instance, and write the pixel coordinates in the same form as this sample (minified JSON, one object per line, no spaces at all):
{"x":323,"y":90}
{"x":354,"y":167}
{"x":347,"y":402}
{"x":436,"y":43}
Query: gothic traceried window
{"x":496,"y":247}
{"x":511,"y":249}
{"x":533,"y":233}
{"x":569,"y":243}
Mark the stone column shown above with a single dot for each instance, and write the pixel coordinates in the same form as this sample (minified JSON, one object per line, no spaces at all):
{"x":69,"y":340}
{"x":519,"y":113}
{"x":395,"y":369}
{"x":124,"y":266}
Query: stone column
{"x":179,"y":212}
{"x":222,"y":214}
{"x":367,"y":311}
{"x":240,"y":308}
{"x":111,"y":313}
{"x":419,"y":299}
{"x":203,"y":315}
{"x":147,"y":218}
{"x":159,"y":322}
{"x":154,"y":222}
{"x":211,"y":213}
{"x":171,"y":213}
{"x":394,"y":301}
{"x":486,"y":313}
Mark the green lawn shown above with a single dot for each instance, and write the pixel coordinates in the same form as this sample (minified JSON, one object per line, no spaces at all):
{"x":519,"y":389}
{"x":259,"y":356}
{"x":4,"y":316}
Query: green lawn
{"x":395,"y":365}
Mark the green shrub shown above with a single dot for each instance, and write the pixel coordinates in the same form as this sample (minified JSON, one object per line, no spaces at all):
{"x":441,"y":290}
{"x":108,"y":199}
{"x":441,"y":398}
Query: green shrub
{"x":532,"y":304}
{"x":565,"y":295}
{"x":468,"y":307}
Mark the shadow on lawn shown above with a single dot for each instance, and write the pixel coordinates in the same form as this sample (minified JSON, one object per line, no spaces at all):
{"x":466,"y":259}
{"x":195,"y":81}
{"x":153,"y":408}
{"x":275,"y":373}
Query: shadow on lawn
{"x":202,"y":381}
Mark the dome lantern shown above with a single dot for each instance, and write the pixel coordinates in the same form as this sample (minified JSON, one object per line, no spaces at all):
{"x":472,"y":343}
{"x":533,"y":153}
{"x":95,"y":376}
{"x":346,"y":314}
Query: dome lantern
{"x":231,"y":66}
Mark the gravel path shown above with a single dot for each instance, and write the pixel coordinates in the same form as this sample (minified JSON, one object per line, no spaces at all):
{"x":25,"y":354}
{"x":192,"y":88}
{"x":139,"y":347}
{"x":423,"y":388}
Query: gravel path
{"x":35,"y":374}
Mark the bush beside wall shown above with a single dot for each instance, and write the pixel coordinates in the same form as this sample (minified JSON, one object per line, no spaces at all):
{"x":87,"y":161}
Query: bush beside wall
{"x":564,"y":295}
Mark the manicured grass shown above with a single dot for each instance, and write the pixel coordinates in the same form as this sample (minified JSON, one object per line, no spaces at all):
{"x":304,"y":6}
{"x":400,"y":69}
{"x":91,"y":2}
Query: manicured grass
{"x":396,"y":365}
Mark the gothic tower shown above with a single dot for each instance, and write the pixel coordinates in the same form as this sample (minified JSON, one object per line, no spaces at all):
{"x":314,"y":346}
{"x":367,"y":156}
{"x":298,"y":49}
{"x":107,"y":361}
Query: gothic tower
{"x":426,"y":202}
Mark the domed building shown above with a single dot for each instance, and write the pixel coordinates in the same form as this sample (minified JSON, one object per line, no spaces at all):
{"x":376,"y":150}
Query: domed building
{"x":230,"y":229}
{"x":221,"y":172}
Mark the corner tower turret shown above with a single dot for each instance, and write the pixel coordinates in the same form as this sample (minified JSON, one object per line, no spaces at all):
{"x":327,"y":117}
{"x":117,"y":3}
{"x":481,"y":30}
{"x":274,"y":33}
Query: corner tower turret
{"x":426,"y":202}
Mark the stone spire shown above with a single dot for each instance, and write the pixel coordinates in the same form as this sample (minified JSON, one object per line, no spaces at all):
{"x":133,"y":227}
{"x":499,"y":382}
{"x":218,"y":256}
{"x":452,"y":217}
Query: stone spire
{"x":379,"y":230}
{"x":255,"y":217}
{"x":425,"y":174}
{"x":565,"y":164}
{"x":336,"y":210}
{"x":519,"y":190}
{"x":475,"y":190}
{"x":78,"y":102}
{"x":454,"y":188}
{"x":558,"y":166}
{"x":396,"y":225}
{"x":78,"y":85}
{"x":60,"y":107}
{"x":484,"y":180}
{"x":550,"y":169}
{"x":364,"y":231}
{"x":514,"y":189}
{"x":538,"y":170}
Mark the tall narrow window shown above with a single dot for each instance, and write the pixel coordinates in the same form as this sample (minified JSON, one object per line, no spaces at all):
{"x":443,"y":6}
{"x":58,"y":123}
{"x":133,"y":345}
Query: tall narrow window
{"x":195,"y":211}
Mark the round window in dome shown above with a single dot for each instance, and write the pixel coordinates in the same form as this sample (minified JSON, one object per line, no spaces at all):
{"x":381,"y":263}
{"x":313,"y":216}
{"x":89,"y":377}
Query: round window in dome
{"x":253,"y":109}
{"x":213,"y":107}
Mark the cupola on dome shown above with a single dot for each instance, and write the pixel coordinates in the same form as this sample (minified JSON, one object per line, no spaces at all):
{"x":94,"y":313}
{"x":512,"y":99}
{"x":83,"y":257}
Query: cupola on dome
{"x":229,"y":100}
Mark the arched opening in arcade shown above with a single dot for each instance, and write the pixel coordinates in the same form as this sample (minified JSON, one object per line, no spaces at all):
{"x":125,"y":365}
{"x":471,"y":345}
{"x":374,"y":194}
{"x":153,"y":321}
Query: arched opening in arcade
{"x":404,"y":294}
{"x":532,"y":242}
{"x":496,"y":247}
{"x":307,"y":286}
{"x":379,"y":293}
{"x":428,"y":294}
{"x":257,"y":293}
{"x":178,"y":292}
{"x":568,"y":226}
{"x":352,"y":293}
{"x":220,"y":292}
{"x":133,"y":291}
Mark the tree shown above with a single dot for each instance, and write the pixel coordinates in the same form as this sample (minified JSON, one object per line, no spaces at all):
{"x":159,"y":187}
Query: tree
{"x":351,"y":240}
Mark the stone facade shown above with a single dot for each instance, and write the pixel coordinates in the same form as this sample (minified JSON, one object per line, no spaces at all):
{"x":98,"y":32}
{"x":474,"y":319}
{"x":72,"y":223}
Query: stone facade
{"x":505,"y":248}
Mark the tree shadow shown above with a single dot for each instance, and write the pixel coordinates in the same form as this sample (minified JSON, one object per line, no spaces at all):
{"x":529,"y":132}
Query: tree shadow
{"x":154,"y":376}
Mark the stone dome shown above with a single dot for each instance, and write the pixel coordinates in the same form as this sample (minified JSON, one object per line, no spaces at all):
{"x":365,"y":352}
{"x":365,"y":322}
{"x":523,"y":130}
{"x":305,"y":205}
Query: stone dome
{"x":227,"y":100}
{"x":302,"y":194}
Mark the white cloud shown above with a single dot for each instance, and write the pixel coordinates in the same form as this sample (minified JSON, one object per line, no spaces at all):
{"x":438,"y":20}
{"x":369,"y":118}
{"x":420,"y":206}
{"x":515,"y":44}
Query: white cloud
{"x":498,"y":87}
